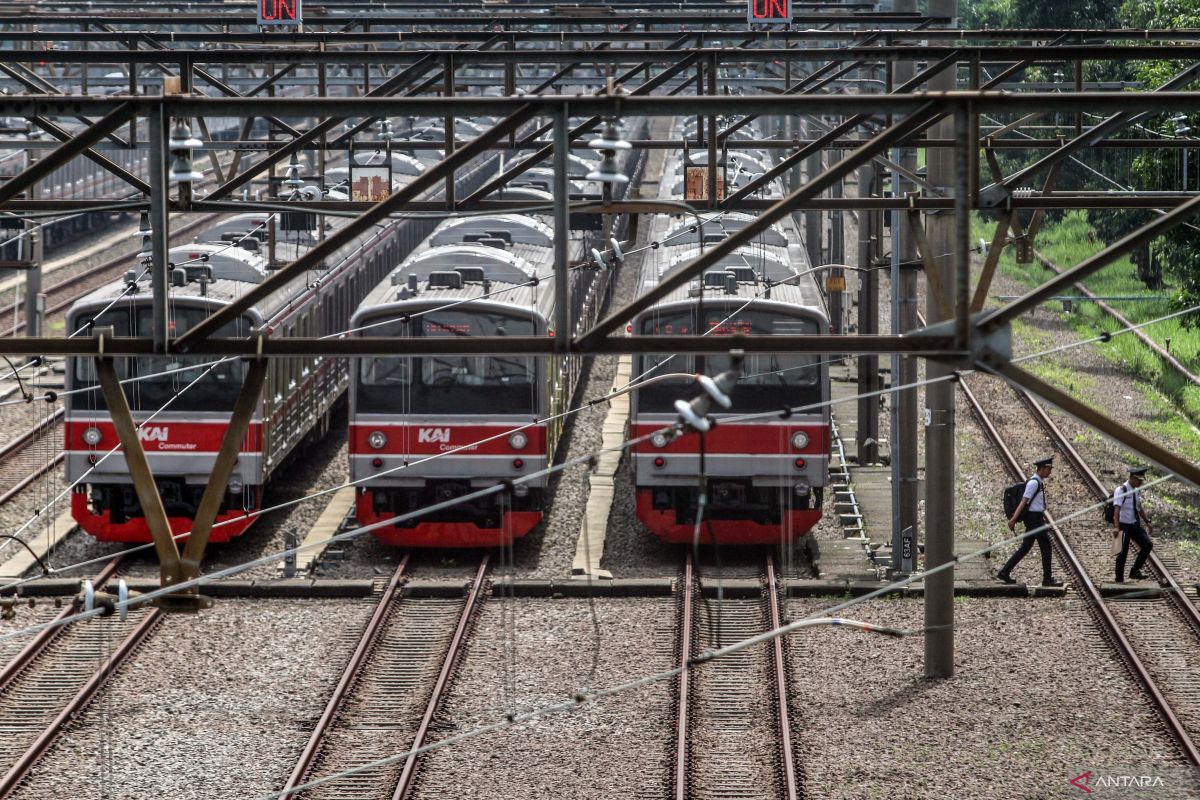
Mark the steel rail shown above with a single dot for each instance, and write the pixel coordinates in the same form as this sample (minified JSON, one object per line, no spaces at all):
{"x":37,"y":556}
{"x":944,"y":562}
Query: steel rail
{"x":76,"y":705}
{"x":1176,"y":595}
{"x":788,"y":760}
{"x":408,"y":774}
{"x":68,"y":284}
{"x":13,"y":447}
{"x":686,"y":612}
{"x":38,"y":644}
{"x":30,"y":434}
{"x":366,"y":644}
{"x":1094,"y":601}
{"x":1124,"y":322}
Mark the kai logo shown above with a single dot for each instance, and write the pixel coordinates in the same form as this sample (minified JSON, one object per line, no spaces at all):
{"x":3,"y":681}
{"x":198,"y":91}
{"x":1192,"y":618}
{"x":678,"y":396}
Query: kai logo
{"x":155,"y":433}
{"x":432,"y":435}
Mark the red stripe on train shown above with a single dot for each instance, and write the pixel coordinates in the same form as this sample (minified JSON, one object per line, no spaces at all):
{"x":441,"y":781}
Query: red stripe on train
{"x":432,"y":439}
{"x":734,"y":438}
{"x":164,"y":437}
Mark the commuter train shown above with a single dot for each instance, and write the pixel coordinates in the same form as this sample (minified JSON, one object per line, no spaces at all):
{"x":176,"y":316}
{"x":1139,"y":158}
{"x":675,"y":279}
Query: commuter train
{"x":184,"y":402}
{"x":428,"y":429}
{"x":763,"y":477}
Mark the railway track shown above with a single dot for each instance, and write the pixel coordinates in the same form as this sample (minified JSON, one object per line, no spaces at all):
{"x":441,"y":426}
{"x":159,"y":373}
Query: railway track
{"x":61,"y":295}
{"x":54,"y":678}
{"x":1151,"y":635}
{"x":389,"y":693}
{"x":22,"y":461}
{"x":721,"y":719}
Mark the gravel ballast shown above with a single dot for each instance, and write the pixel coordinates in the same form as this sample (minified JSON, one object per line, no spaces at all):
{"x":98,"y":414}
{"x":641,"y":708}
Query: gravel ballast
{"x":1038,"y":698}
{"x":618,"y":747}
{"x":214,"y":706}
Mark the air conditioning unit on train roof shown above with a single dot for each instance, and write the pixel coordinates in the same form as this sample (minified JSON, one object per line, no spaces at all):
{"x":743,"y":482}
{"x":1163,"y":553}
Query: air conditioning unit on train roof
{"x":227,"y":262}
{"x":685,"y":232}
{"x":771,"y":265}
{"x":516,"y":229}
{"x":499,"y":266}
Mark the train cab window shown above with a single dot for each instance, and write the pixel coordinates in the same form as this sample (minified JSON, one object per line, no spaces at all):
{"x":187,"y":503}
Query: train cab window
{"x":441,"y":384}
{"x":769,"y":380}
{"x":179,"y":383}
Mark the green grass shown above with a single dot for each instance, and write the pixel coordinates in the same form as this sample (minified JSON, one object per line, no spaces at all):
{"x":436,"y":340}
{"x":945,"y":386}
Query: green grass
{"x":1067,"y":243}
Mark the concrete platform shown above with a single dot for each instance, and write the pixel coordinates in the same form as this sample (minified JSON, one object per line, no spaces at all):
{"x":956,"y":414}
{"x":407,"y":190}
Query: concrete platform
{"x":327,"y":525}
{"x":42,"y":544}
{"x":589,"y":548}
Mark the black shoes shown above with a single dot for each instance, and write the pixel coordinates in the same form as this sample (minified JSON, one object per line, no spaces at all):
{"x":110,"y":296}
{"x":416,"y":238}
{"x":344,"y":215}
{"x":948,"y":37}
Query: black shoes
{"x":1051,"y":582}
{"x":1137,"y":576}
{"x":1003,"y":578}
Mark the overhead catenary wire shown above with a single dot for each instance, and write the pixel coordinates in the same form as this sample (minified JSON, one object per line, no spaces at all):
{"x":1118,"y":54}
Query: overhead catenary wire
{"x":568,"y":412}
{"x":822,"y":617}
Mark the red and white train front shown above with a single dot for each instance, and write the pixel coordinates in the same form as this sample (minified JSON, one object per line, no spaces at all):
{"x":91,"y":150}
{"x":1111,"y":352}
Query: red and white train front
{"x":183,"y":408}
{"x":424,"y":430}
{"x":763,"y":477}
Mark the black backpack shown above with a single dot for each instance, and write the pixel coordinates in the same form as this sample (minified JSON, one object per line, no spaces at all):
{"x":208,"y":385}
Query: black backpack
{"x":1109,"y":510}
{"x":1013,"y":495}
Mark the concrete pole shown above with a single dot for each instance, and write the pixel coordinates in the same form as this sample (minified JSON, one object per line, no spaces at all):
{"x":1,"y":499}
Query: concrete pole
{"x":562,"y":230}
{"x":812,"y":219}
{"x":868,"y":323}
{"x":159,"y":280}
{"x":905,"y":525}
{"x":939,"y":404}
{"x":33,"y":276}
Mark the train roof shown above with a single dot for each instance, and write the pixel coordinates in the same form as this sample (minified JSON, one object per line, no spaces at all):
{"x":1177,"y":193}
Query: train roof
{"x":447,"y":268}
{"x":688,"y":232}
{"x":786,"y":299}
{"x":520,"y":229}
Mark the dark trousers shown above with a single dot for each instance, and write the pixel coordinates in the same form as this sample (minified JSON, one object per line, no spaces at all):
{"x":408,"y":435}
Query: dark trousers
{"x":1033,"y":519}
{"x":1138,"y":534}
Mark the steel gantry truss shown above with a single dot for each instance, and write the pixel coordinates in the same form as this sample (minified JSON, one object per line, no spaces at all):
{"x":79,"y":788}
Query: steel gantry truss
{"x":867,"y":85}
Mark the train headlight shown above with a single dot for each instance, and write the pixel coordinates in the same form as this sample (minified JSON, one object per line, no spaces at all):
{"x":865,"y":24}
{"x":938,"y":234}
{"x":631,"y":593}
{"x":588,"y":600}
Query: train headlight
{"x":658,"y":439}
{"x":799,"y":440}
{"x":235,"y":485}
{"x":518,"y":441}
{"x":92,"y":436}
{"x":377,"y":440}
{"x":802,"y":489}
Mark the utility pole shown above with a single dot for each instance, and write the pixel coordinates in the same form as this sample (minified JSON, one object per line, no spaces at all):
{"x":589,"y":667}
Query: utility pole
{"x":34,"y":246}
{"x":868,"y":323}
{"x":939,"y":399}
{"x":903,"y":435}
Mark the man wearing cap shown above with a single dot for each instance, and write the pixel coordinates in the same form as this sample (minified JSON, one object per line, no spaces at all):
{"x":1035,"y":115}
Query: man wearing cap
{"x":1032,"y":509}
{"x":1127,"y":523}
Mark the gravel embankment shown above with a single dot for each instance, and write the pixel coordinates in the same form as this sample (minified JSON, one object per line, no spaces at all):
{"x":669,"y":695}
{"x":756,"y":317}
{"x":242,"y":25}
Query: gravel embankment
{"x":1038,"y":698}
{"x":213,"y":707}
{"x":616,"y":747}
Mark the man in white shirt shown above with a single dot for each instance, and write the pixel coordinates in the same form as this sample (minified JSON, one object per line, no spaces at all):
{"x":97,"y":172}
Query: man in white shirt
{"x":1032,"y":510}
{"x":1128,"y":513}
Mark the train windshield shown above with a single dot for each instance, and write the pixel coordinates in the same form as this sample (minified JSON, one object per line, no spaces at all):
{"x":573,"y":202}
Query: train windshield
{"x":450,"y":384}
{"x":769,"y":381}
{"x":171,"y":383}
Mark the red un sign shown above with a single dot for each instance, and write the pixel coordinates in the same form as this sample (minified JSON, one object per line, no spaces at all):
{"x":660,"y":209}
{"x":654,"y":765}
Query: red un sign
{"x":768,"y":11}
{"x":279,"y":12}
